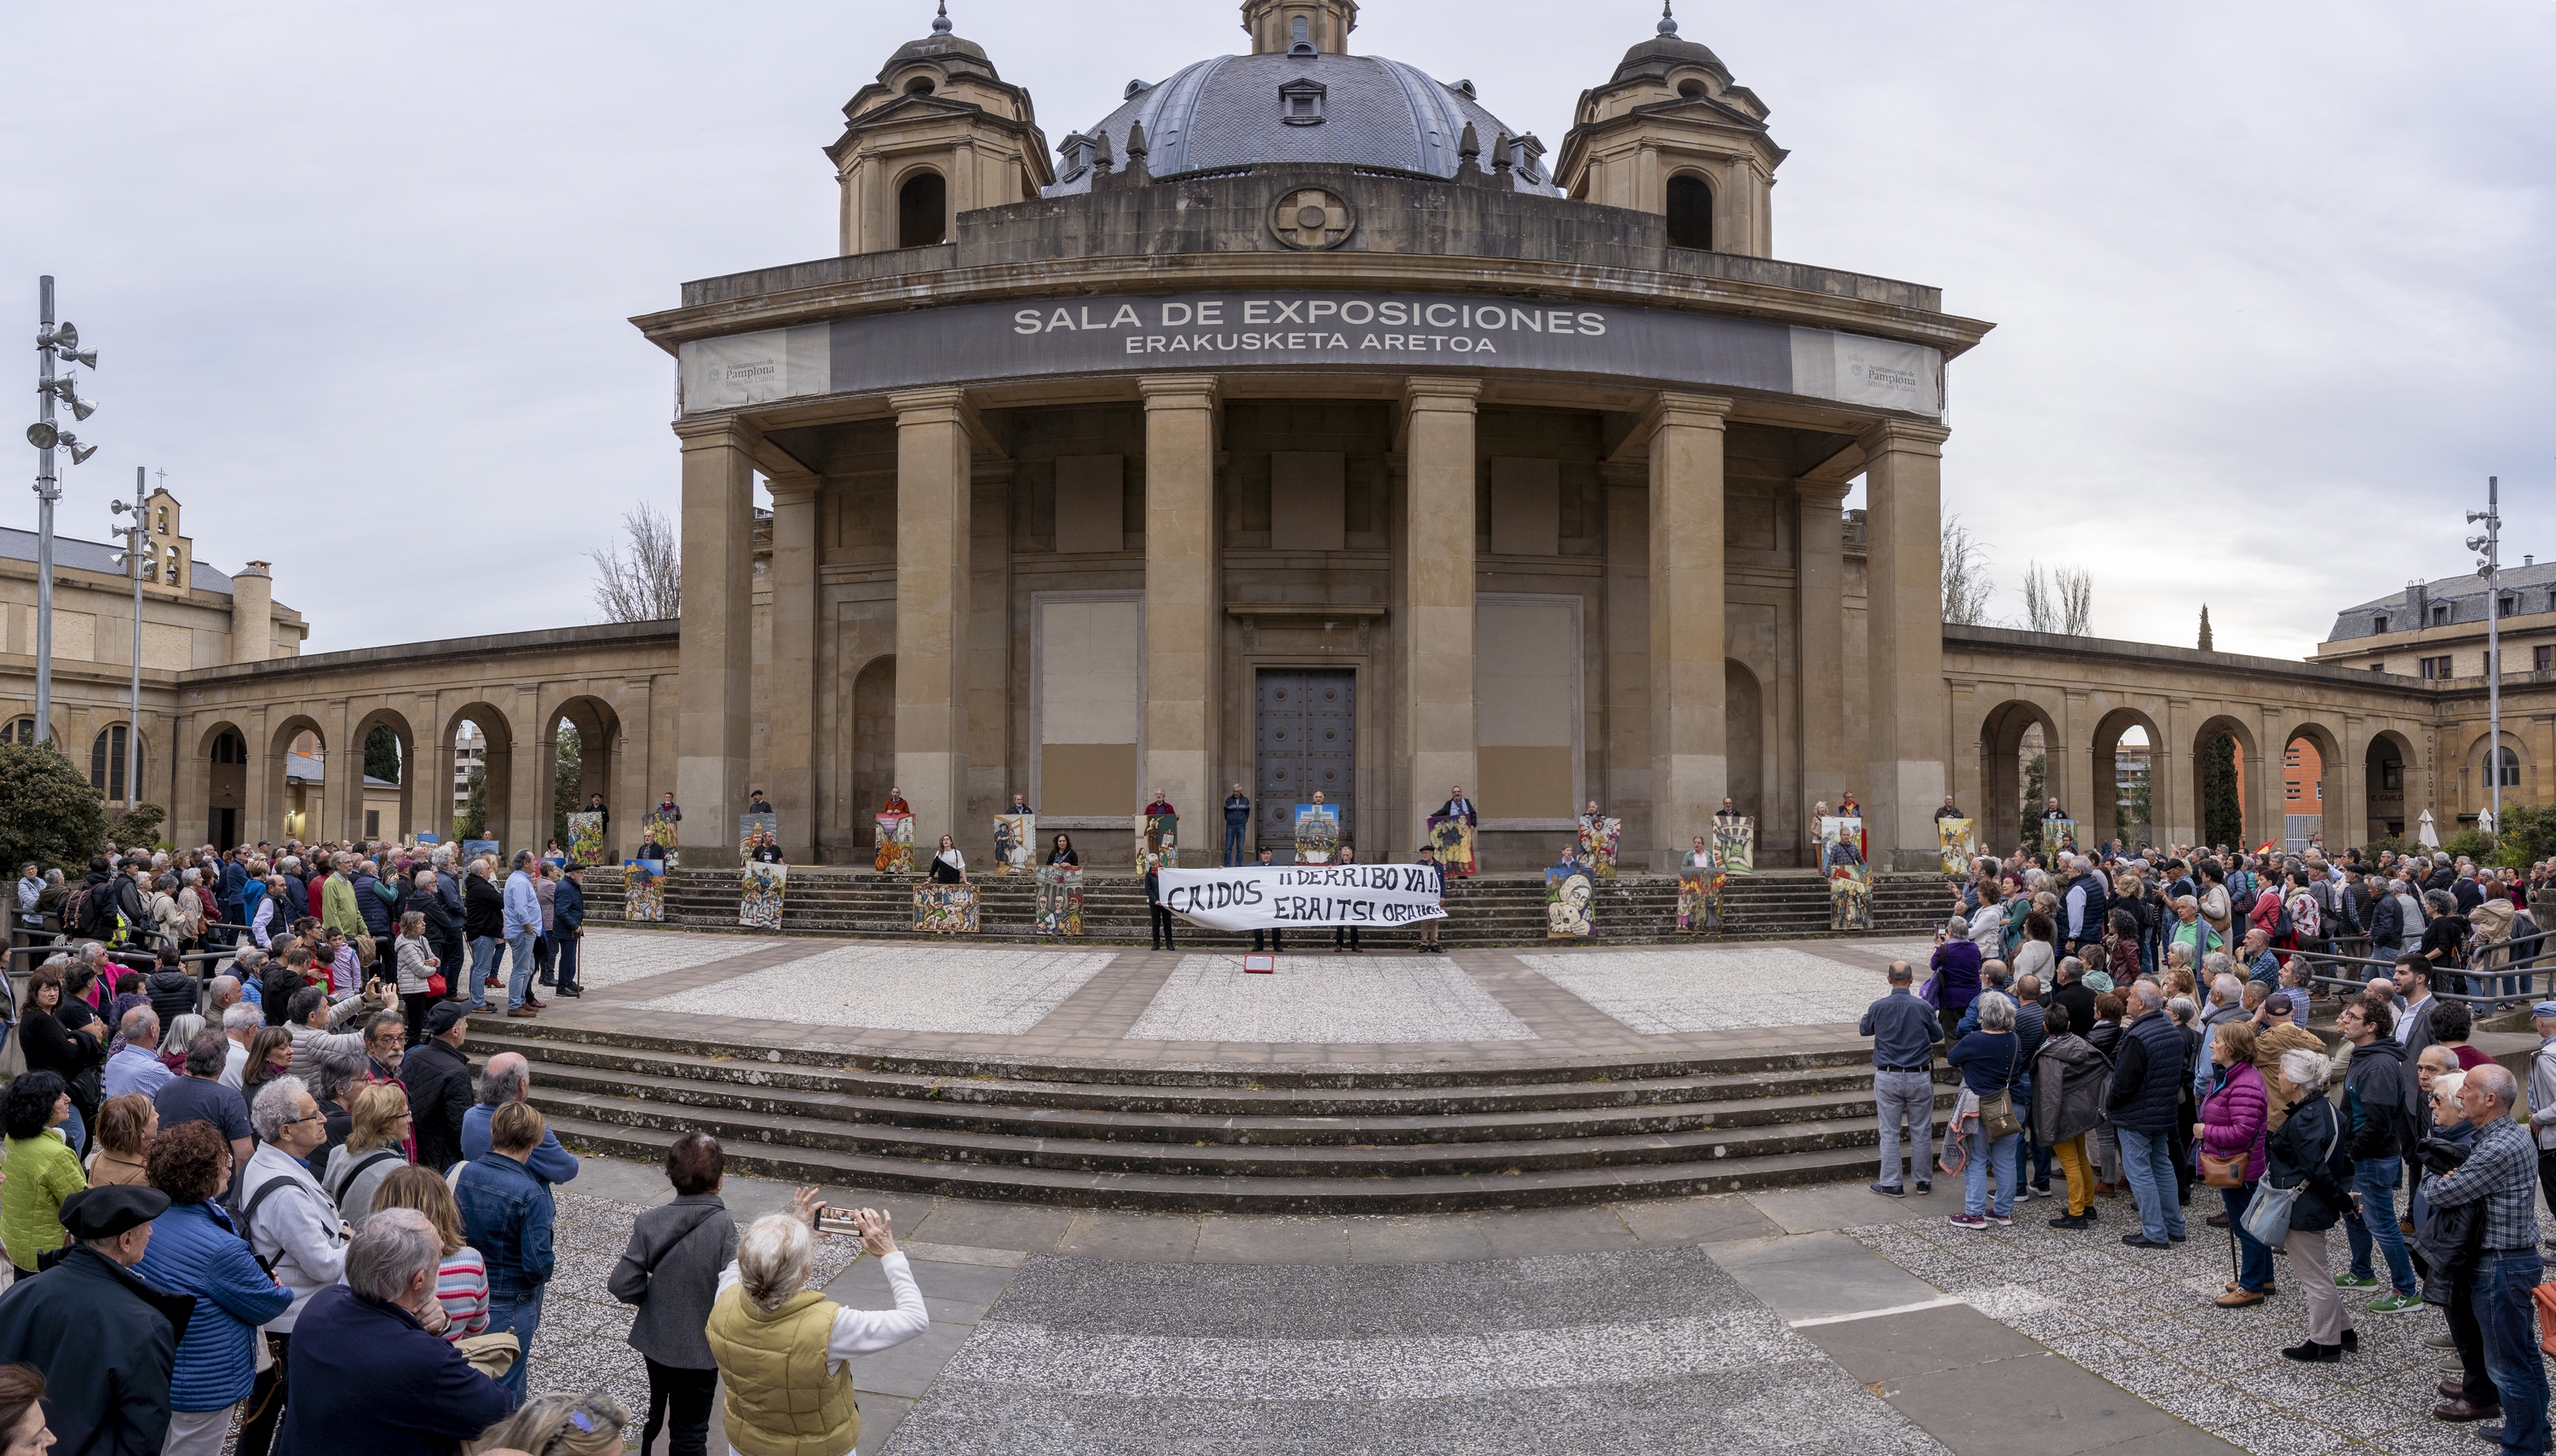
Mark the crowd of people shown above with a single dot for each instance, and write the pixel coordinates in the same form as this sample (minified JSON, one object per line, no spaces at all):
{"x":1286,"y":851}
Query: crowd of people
{"x":2143,"y":1020}
{"x":253,"y":1195}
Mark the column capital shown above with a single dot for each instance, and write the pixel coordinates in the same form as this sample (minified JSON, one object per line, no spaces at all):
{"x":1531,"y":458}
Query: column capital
{"x":794,"y":487}
{"x":1435,"y":392}
{"x":1178,"y":391}
{"x":1702,"y":411}
{"x":710,"y":432}
{"x":1815,"y":491}
{"x":929,"y":406}
{"x":1905,"y":435}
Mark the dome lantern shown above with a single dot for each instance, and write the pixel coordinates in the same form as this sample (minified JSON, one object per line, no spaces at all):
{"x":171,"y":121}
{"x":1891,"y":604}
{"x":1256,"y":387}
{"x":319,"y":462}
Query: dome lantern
{"x":1672,"y":133}
{"x":1300,"y":28}
{"x":938,"y":134}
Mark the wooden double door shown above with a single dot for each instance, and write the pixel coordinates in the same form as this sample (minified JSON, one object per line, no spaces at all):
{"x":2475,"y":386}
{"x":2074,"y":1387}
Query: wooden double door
{"x":1305,"y":740}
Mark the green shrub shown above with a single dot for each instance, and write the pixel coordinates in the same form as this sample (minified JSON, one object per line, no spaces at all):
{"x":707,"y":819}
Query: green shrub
{"x":53,"y":818}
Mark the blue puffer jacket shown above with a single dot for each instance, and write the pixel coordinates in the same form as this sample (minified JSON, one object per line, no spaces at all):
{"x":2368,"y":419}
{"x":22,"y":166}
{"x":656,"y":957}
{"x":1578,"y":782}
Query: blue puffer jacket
{"x":506,"y":1214}
{"x":370,"y":904}
{"x":196,"y":1249}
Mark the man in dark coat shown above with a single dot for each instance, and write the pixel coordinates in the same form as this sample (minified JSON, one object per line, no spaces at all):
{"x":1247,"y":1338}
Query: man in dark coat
{"x":2151,"y":1062}
{"x":568,"y":928}
{"x":2073,"y":993}
{"x":104,"y":1341}
{"x":369,"y":1373}
{"x":438,"y":1086}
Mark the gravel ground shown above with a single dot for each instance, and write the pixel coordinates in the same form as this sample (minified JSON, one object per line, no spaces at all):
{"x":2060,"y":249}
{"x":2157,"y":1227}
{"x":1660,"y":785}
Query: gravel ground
{"x":1714,"y":989}
{"x":1326,"y":998}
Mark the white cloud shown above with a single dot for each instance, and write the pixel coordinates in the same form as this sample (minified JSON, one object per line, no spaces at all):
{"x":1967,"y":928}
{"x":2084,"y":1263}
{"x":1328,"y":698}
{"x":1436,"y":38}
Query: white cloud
{"x":2269,"y":280}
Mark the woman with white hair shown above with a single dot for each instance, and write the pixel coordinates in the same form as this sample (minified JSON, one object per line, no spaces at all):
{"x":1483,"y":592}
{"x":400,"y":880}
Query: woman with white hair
{"x":782,"y":1347}
{"x":2310,"y":1155}
{"x":1990,"y":1061}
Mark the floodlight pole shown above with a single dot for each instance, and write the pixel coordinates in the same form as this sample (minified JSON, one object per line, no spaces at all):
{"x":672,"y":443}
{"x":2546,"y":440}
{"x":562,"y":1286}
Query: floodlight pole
{"x":133,"y":725}
{"x":2493,"y":648}
{"x":47,"y":490}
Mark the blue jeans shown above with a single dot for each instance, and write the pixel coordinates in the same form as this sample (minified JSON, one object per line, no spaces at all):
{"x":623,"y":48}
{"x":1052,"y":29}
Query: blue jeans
{"x":523,"y":1316}
{"x":519,"y":981}
{"x":483,"y":964}
{"x":1234,"y":844}
{"x":2254,"y":1261}
{"x":1979,"y":1155}
{"x":2375,"y":1179}
{"x":2507,"y":1314}
{"x":73,"y":1130}
{"x":2148,"y":1160}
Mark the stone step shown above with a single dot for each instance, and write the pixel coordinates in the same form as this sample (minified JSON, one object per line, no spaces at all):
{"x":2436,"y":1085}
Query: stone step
{"x":1231,"y":1116}
{"x":1362,"y":1193}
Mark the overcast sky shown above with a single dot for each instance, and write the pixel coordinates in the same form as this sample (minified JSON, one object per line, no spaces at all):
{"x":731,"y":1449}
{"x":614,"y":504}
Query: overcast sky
{"x":2271,"y":281}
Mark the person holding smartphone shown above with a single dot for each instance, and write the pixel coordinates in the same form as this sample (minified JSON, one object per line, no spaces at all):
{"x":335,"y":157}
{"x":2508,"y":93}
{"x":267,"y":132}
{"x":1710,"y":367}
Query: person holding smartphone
{"x":765,"y":1323}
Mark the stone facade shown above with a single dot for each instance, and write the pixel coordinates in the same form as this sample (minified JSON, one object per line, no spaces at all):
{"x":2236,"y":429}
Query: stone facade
{"x":1311,"y":469}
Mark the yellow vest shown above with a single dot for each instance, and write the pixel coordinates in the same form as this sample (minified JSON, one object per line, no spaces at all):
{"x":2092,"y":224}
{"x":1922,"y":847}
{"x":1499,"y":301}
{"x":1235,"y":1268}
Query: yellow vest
{"x":778,"y":1400}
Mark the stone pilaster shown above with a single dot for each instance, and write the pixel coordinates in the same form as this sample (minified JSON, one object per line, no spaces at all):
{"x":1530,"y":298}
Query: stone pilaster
{"x":713,"y":730}
{"x":791,"y":731}
{"x":1820,"y":675}
{"x":1904,"y":641}
{"x":1690,"y":727}
{"x":1438,"y":617}
{"x":1181,"y":606}
{"x":935,"y":482}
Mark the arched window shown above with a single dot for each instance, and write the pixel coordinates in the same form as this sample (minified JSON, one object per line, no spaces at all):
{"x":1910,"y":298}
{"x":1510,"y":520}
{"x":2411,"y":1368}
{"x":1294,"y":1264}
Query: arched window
{"x":1690,"y":211}
{"x":17,"y":730}
{"x":921,"y":211}
{"x":229,"y":748}
{"x":106,"y":762}
{"x":2508,"y":768}
{"x":921,"y":85}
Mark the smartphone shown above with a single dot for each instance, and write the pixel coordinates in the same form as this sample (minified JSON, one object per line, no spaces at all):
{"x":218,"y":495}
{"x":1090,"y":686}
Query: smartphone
{"x":831,"y":1220}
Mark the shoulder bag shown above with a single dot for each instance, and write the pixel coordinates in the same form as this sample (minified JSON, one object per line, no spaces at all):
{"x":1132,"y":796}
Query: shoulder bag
{"x":1997,"y":1120}
{"x":2267,"y":1217}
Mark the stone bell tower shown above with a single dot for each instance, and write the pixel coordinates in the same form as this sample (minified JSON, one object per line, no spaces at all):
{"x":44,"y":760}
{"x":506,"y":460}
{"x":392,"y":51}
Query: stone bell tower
{"x":1299,"y":27}
{"x":938,"y":134}
{"x":1672,"y":133}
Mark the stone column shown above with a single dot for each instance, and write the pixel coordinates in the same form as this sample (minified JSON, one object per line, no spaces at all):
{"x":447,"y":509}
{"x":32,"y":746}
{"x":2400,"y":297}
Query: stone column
{"x":531,"y":773}
{"x":1436,"y":729}
{"x":716,"y":650}
{"x":1627,"y":646}
{"x":934,"y":481}
{"x":1904,"y":641}
{"x":336,"y":810}
{"x":628,"y":796}
{"x":1820,"y":597}
{"x":1181,"y":606}
{"x":1690,"y":727}
{"x":791,"y":730}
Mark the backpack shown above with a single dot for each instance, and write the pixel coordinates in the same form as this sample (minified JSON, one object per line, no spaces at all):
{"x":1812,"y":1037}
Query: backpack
{"x":2282,"y":928}
{"x":2240,"y":893}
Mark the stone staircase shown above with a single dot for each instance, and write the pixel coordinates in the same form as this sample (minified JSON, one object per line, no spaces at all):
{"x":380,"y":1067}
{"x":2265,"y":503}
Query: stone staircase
{"x":1259,"y":1140}
{"x":1494,"y":910}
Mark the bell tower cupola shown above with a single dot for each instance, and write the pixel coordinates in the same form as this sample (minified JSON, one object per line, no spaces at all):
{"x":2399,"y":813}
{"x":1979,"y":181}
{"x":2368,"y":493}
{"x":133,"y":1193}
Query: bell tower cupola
{"x":938,"y":134}
{"x":1299,"y":27}
{"x":1672,"y":133}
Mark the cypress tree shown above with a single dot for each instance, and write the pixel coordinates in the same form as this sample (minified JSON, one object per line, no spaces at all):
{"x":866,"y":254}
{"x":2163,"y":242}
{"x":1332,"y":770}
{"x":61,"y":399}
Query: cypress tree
{"x":2222,"y":818}
{"x":2204,"y":637}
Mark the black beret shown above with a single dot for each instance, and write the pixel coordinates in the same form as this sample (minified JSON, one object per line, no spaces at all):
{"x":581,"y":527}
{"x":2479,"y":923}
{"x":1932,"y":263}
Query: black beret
{"x":103,"y":1213}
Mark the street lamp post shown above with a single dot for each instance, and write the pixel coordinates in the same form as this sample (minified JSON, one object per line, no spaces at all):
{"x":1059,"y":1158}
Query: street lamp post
{"x":46,"y":436}
{"x":2491,"y":568}
{"x":133,"y":536}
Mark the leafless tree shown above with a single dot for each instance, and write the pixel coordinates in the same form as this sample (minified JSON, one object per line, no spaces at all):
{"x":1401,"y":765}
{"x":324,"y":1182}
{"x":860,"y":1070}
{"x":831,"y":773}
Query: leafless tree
{"x":1965,"y":576}
{"x":2060,"y":601}
{"x":646,"y":583}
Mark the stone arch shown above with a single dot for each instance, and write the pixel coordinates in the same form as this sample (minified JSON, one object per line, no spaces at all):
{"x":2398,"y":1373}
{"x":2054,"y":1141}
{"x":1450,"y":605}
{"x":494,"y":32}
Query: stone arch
{"x":1744,"y":720}
{"x":294,"y":806}
{"x":598,"y":742}
{"x":220,"y":766}
{"x":2474,"y":784}
{"x":2108,"y":812}
{"x":2320,"y":792}
{"x":2002,"y":735}
{"x":2250,"y":761}
{"x":922,"y":209}
{"x":1688,"y":205}
{"x":404,"y":818}
{"x":2390,"y":770}
{"x":873,"y":746}
{"x":497,"y":762}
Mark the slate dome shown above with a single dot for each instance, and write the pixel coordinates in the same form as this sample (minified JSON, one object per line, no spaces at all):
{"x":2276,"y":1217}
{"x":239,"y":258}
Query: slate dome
{"x":1235,"y":110}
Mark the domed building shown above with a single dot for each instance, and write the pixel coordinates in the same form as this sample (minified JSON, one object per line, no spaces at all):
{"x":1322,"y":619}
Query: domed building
{"x":1301,"y":425}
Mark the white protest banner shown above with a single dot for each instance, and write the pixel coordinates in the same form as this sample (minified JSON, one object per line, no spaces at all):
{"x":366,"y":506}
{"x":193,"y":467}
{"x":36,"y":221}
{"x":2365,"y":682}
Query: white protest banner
{"x":1267,"y":896}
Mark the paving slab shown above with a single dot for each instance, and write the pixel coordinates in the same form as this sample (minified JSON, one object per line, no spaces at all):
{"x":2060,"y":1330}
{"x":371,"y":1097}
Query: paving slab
{"x":1820,"y":1275}
{"x":1711,"y":1220}
{"x":1156,"y":1238}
